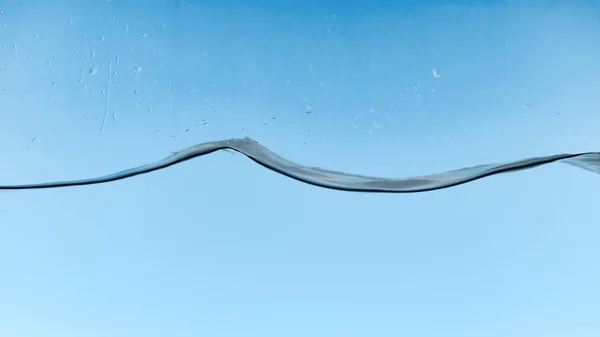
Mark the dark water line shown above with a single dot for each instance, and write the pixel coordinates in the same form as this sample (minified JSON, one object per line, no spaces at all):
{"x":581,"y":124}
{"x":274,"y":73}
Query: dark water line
{"x":328,"y":178}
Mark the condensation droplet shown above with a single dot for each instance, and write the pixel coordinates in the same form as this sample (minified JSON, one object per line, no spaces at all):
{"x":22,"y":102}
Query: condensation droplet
{"x":435,"y":73}
{"x":93,"y":71}
{"x":309,"y":109}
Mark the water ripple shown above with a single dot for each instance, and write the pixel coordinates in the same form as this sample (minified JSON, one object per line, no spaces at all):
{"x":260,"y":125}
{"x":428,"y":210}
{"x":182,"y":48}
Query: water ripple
{"x":328,"y":178}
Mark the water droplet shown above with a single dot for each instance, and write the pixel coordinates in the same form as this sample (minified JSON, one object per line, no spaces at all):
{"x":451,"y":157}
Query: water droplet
{"x":31,"y":142}
{"x":137,"y":69}
{"x":309,"y":109}
{"x":435,"y":73}
{"x":93,"y":71}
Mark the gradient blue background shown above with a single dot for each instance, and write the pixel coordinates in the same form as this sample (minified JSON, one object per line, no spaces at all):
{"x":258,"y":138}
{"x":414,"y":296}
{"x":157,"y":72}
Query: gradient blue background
{"x":219,"y":246}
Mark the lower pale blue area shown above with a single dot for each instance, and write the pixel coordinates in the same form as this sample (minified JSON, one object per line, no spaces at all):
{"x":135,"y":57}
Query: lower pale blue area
{"x":219,"y":246}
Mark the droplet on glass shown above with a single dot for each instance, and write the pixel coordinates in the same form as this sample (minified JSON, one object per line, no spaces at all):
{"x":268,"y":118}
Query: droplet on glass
{"x":309,"y":109}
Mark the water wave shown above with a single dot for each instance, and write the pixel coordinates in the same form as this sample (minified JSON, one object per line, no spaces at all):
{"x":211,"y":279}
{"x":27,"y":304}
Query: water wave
{"x":328,"y":178}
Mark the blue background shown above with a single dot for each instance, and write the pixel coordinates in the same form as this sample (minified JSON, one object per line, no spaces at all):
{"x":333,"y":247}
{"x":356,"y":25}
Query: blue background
{"x":219,"y":246}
